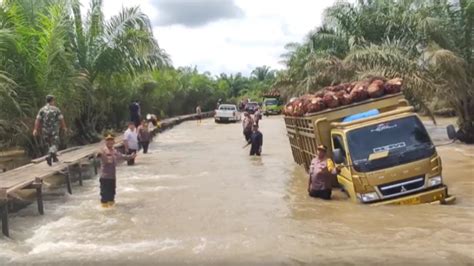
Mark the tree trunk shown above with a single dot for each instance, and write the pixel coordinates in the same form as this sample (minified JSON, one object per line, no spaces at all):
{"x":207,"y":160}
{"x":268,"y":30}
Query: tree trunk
{"x":466,"y":121}
{"x":466,"y":131}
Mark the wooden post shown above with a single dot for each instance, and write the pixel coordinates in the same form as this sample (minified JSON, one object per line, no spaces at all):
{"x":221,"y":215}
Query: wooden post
{"x":68,"y":179}
{"x":94,"y":160}
{"x":4,"y":211}
{"x":80,"y":174}
{"x":38,"y":184}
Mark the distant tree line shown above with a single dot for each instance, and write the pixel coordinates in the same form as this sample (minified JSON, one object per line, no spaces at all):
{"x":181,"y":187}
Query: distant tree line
{"x":95,"y":67}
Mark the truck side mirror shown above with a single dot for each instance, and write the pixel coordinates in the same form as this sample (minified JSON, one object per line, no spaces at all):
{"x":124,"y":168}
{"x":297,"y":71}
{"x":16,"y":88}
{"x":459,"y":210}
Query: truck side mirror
{"x":337,"y":156}
{"x":451,"y":132}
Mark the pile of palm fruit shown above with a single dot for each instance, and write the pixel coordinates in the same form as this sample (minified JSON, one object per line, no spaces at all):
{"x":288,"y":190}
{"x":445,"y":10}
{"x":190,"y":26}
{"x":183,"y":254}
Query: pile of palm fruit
{"x":342,"y":94}
{"x":272,"y":93}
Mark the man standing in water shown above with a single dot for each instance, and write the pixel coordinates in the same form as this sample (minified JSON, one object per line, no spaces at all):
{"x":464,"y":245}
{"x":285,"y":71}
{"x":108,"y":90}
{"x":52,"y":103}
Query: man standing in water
{"x":130,"y":141}
{"x":134,"y":109}
{"x":257,"y":116}
{"x":199,"y":114}
{"x":110,"y":157}
{"x":49,"y":119}
{"x":247,"y":126}
{"x":144,"y":136}
{"x":321,"y":172}
{"x":256,"y":141}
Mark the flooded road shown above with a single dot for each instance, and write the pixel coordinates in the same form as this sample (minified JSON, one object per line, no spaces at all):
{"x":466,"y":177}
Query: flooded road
{"x":198,"y":198}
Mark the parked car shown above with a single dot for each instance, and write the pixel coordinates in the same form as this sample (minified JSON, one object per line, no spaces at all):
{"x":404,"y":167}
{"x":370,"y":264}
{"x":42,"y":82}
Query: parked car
{"x":251,"y":107}
{"x":227,"y":113}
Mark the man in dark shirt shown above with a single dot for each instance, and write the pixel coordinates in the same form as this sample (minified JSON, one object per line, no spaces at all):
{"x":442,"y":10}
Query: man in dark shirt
{"x":134,"y":109}
{"x":256,"y":141}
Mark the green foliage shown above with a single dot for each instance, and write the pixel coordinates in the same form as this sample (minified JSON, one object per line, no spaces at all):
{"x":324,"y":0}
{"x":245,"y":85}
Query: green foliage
{"x":46,"y":48}
{"x":95,"y":68}
{"x":427,"y":43}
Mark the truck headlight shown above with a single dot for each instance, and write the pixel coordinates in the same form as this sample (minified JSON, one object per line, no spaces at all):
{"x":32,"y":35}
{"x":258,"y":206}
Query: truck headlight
{"x":368,"y":197}
{"x":434,"y":181}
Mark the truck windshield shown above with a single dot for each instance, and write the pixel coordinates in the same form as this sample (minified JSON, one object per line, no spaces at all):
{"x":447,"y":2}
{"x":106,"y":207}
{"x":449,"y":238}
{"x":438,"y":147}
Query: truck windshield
{"x":271,"y":102}
{"x":405,"y":139}
{"x":227,"y":108}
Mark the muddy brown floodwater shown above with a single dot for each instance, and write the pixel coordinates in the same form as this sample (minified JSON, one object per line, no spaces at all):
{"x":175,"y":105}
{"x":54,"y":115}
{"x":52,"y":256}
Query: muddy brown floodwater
{"x":199,"y":199}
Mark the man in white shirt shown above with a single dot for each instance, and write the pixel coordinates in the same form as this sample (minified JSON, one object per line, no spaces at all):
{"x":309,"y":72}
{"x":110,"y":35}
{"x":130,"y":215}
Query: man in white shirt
{"x":130,"y":141}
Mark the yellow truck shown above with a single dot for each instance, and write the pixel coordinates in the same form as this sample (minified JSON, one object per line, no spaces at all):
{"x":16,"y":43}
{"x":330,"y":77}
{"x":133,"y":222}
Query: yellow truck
{"x":387,"y":156}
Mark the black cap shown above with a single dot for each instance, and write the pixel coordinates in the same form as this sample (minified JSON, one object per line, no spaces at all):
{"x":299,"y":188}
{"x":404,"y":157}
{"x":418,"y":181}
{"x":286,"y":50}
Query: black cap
{"x":49,"y":98}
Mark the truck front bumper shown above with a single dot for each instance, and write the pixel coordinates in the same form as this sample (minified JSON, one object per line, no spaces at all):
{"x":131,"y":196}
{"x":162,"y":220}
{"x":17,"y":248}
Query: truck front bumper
{"x":226,"y":119}
{"x":436,"y":195}
{"x":272,"y":112}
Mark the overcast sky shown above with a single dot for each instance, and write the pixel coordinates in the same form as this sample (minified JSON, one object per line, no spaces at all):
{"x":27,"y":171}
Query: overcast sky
{"x":226,"y":35}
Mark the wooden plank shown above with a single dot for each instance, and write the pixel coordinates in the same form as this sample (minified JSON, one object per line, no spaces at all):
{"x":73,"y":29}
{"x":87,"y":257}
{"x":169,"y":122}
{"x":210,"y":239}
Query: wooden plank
{"x":25,"y":176}
{"x":3,"y":195}
{"x":43,"y":158}
{"x":80,"y":174}
{"x":38,"y":184}
{"x":4,"y":214}
{"x":68,"y":180}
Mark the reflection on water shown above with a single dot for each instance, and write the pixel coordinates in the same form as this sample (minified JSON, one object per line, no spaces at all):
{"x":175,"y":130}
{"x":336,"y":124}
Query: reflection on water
{"x":199,"y":198}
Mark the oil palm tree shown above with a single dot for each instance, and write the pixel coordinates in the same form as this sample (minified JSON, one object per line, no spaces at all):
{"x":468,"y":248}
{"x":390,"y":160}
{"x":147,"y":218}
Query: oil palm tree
{"x":51,"y":50}
{"x":123,"y":45}
{"x":428,"y":43}
{"x":263,"y":73}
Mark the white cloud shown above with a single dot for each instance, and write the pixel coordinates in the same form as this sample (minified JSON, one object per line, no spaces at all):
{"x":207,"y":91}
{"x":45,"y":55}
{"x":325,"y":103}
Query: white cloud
{"x":235,"y":44}
{"x":194,"y":13}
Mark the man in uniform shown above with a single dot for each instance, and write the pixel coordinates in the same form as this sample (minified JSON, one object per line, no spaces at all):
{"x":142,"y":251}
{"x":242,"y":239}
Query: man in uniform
{"x":199,"y":114}
{"x":247,"y":124}
{"x":48,"y":120}
{"x":321,"y":173}
{"x":110,"y":157}
{"x":257,"y":116}
{"x":135,"y":113}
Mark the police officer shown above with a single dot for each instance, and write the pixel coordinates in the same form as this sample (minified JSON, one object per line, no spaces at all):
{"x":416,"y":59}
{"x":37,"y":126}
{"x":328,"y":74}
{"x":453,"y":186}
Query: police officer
{"x":247,"y":126}
{"x":49,"y":119}
{"x":321,"y":173}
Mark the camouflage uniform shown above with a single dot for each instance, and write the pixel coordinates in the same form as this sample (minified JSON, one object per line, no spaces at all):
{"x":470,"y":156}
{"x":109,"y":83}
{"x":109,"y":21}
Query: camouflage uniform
{"x":50,"y":116}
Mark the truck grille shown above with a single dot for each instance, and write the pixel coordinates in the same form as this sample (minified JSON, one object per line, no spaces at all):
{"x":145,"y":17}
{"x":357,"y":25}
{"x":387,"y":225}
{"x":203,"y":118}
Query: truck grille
{"x":402,"y":187}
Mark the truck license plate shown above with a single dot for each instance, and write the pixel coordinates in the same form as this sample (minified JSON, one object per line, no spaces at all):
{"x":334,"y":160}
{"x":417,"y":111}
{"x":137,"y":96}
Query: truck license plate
{"x":411,"y":201}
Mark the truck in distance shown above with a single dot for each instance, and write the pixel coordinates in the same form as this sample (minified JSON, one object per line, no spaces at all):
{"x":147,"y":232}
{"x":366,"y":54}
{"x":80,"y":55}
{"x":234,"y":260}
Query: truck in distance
{"x":272,"y":104}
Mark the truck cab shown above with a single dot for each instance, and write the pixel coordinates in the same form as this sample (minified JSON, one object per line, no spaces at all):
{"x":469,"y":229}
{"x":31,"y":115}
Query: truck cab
{"x":385,"y":158}
{"x":272,"y":106}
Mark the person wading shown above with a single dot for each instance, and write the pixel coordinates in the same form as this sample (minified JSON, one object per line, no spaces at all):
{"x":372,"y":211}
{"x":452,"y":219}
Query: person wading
{"x":256,"y":141}
{"x":321,"y":173}
{"x":199,"y":114}
{"x":135,"y":111}
{"x":48,"y":120}
{"x":247,"y":126}
{"x":130,"y":141}
{"x":110,"y":157}
{"x":257,"y":116}
{"x":144,"y":136}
